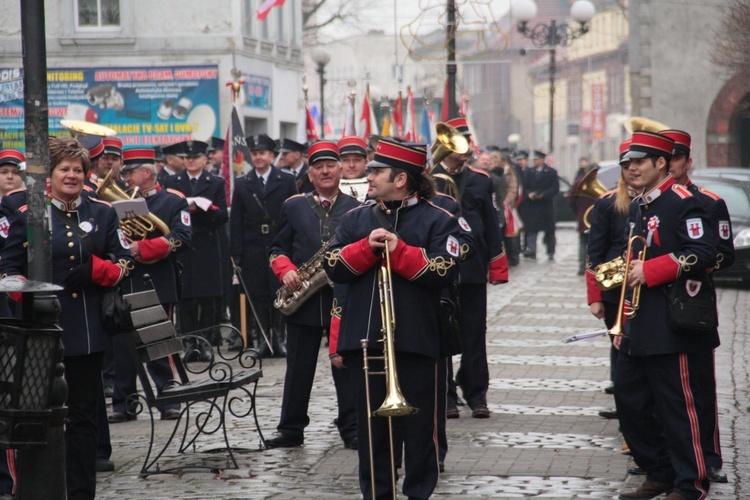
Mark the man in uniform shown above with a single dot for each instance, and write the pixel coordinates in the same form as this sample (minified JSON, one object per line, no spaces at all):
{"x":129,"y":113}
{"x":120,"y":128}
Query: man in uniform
{"x":291,"y":161}
{"x":256,"y":208}
{"x":95,"y":147}
{"x":660,"y":374}
{"x":202,"y":275}
{"x":158,"y":159}
{"x":154,"y":255}
{"x":111,"y":159}
{"x":308,"y":221}
{"x":540,"y":185}
{"x":475,"y":191}
{"x":215,"y":155}
{"x":423,"y":245}
{"x":174,"y":161}
{"x":353,"y":151}
{"x":679,"y":168}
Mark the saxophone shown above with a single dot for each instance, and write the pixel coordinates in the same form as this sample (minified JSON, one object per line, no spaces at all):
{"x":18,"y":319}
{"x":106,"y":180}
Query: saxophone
{"x":312,"y":278}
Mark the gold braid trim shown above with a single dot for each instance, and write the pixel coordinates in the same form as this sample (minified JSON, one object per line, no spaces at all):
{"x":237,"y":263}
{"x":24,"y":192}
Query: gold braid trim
{"x":440,"y":265}
{"x":464,"y":250}
{"x":126,"y":266}
{"x":332,"y":257}
{"x":336,"y":309}
{"x":687,"y":261}
{"x":719,"y":260}
{"x":174,"y":244}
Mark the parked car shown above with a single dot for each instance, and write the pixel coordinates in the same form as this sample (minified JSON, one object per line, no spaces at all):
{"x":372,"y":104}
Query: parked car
{"x":736,"y":194}
{"x":741,"y":174}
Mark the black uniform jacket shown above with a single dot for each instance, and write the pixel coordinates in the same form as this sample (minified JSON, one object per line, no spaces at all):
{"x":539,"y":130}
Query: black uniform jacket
{"x":720,"y":222}
{"x":680,"y":245}
{"x":301,"y":234}
{"x":9,"y":209}
{"x":80,"y":308}
{"x":159,"y":251}
{"x":607,"y":237}
{"x":539,"y":215}
{"x":202,"y":276}
{"x":252,"y":231}
{"x":475,"y":188}
{"x":302,"y":180}
{"x":424,"y":262}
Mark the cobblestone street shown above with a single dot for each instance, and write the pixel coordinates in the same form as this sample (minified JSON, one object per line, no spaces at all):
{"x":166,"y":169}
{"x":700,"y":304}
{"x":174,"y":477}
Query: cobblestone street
{"x":544,"y":438}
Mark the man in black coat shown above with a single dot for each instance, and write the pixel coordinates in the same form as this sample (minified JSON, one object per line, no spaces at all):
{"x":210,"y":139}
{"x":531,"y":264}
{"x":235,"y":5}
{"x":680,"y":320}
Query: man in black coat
{"x":540,"y":185}
{"x":291,"y":161}
{"x":256,"y":208}
{"x":307,"y":223}
{"x":202,"y":283}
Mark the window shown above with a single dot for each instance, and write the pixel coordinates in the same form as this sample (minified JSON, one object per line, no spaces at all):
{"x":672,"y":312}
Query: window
{"x":98,"y":13}
{"x":249,"y":18}
{"x":281,"y":26}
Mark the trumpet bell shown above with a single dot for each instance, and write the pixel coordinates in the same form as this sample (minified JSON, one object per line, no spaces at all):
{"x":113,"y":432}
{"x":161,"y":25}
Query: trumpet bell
{"x":642,"y":123}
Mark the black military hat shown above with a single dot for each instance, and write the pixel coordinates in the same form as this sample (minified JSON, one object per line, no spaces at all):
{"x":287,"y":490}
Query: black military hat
{"x":194,"y":148}
{"x":174,"y":149}
{"x":539,"y":154}
{"x":260,"y":141}
{"x":521,"y":155}
{"x":158,"y":154}
{"x":287,"y":145}
{"x":216,"y":143}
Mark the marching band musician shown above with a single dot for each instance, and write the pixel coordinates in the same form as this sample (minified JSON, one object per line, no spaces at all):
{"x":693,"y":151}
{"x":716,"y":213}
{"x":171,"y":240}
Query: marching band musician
{"x":95,"y":147}
{"x":256,"y":208}
{"x":423,"y":243}
{"x":353,"y":152}
{"x":307,"y":222}
{"x":81,"y":266}
{"x":475,"y":192}
{"x":661,"y":370}
{"x":155,"y":255}
{"x":202,"y":277}
{"x":722,"y":227}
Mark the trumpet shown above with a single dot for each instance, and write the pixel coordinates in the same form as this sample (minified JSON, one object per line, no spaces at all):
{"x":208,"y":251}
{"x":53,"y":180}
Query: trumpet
{"x":635,"y":299}
{"x":394,"y":405}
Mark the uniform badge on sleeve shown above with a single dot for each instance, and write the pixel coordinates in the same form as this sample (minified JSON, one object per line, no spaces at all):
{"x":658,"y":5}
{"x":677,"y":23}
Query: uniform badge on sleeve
{"x":452,"y":246}
{"x":724,"y":232}
{"x":464,"y":225}
{"x":4,"y":227}
{"x":694,"y":228}
{"x":185,"y":218}
{"x":692,"y":287}
{"x":123,"y":239}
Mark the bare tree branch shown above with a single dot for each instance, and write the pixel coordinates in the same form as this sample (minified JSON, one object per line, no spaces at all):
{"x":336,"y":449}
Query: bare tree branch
{"x":732,"y":49}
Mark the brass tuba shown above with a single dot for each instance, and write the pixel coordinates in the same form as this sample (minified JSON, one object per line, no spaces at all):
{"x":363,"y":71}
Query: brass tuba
{"x":591,"y":187}
{"x":642,"y":123}
{"x":448,"y":140}
{"x":394,"y":405}
{"x":135,"y":228}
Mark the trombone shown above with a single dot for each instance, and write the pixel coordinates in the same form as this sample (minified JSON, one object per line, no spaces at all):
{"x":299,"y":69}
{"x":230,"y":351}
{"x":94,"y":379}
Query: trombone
{"x":394,"y":405}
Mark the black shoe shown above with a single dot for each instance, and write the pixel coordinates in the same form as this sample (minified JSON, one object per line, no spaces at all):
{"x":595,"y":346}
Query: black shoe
{"x":451,"y":411}
{"x":170,"y":414}
{"x":608,"y":414}
{"x":284,"y":441}
{"x":352,"y":444}
{"x":716,"y":475}
{"x":636,"y":471}
{"x":610,"y":389}
{"x":649,"y":489}
{"x":279,"y":349}
{"x":480,"y":411}
{"x":119,"y":417}
{"x":104,"y":465}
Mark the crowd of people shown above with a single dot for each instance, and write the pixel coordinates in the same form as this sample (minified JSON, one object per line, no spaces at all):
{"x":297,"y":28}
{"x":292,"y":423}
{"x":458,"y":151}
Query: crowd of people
{"x":386,"y":225}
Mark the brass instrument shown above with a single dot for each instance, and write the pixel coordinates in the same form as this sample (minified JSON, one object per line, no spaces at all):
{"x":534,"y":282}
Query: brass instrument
{"x":616,"y":330}
{"x":449,"y":140}
{"x":80,"y":128}
{"x":134,"y":228}
{"x":312,"y":278}
{"x":641,"y":123}
{"x":591,"y":187}
{"x":394,"y":405}
{"x":356,"y":188}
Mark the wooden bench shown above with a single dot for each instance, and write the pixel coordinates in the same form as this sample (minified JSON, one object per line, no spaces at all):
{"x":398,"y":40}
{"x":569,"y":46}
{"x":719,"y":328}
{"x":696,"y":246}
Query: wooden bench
{"x":207,"y":396}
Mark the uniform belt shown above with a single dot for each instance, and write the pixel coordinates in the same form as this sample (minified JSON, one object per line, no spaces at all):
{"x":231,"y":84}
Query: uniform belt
{"x":266,"y":228}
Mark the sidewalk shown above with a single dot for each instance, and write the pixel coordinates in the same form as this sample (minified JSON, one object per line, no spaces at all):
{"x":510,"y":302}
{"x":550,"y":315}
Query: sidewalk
{"x":543,"y":439}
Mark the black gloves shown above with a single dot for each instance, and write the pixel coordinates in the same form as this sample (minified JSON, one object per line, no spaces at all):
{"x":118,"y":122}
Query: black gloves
{"x":78,"y":277}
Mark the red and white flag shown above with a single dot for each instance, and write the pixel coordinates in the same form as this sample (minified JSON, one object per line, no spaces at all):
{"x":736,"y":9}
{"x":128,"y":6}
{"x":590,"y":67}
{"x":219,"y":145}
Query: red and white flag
{"x":312,"y":134}
{"x":398,"y":117}
{"x":266,"y":7}
{"x":367,"y":118}
{"x":410,"y":129}
{"x":349,"y":128}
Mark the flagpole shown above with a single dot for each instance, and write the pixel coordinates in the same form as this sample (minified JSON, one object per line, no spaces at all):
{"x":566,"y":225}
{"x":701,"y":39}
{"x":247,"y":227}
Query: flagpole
{"x":236,"y":89}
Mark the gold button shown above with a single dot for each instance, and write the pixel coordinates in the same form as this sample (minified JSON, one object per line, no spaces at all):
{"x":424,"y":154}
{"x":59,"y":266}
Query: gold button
{"x":388,"y":212}
{"x":644,"y":218}
{"x":67,"y":227}
{"x":71,"y":244}
{"x":69,"y":235}
{"x":72,"y":257}
{"x":74,"y":295}
{"x":69,"y":215}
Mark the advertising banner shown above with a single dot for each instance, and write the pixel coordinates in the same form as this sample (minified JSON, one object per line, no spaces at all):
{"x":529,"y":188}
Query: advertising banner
{"x":146,"y":106}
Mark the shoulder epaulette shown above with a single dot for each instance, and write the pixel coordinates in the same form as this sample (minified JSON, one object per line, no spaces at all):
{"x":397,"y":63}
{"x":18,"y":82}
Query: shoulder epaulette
{"x":97,"y":200}
{"x":294,"y":196}
{"x":19,"y":190}
{"x":286,"y":172}
{"x":174,"y":191}
{"x":88,"y":188}
{"x":23,"y":208}
{"x":709,"y":193}
{"x":439,"y":208}
{"x":479,"y":171}
{"x":681,"y":191}
{"x":609,"y":193}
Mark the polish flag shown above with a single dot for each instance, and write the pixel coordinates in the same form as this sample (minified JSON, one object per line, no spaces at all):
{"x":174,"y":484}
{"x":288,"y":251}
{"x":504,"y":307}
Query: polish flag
{"x":367,"y":118}
{"x":410,"y":130}
{"x":349,"y":128}
{"x":266,"y":7}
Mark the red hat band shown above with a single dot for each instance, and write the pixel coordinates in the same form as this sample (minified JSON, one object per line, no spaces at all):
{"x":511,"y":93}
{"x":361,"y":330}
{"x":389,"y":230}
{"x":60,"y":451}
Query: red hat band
{"x":392,"y":154}
{"x":645,"y":143}
{"x":12,"y":156}
{"x":323,"y":150}
{"x":139,"y":156}
{"x":681,"y":140}
{"x":352,"y":145}
{"x":459,"y":124}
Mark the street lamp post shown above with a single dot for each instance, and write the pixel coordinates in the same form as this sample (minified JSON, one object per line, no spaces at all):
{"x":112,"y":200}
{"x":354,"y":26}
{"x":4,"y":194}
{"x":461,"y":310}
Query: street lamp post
{"x":550,"y":36}
{"x":321,"y":57}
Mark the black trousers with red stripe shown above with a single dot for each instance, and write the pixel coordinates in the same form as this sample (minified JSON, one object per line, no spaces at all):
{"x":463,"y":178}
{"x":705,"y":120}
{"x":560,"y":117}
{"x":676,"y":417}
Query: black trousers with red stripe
{"x":662,"y":403}
{"x":418,"y":380}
